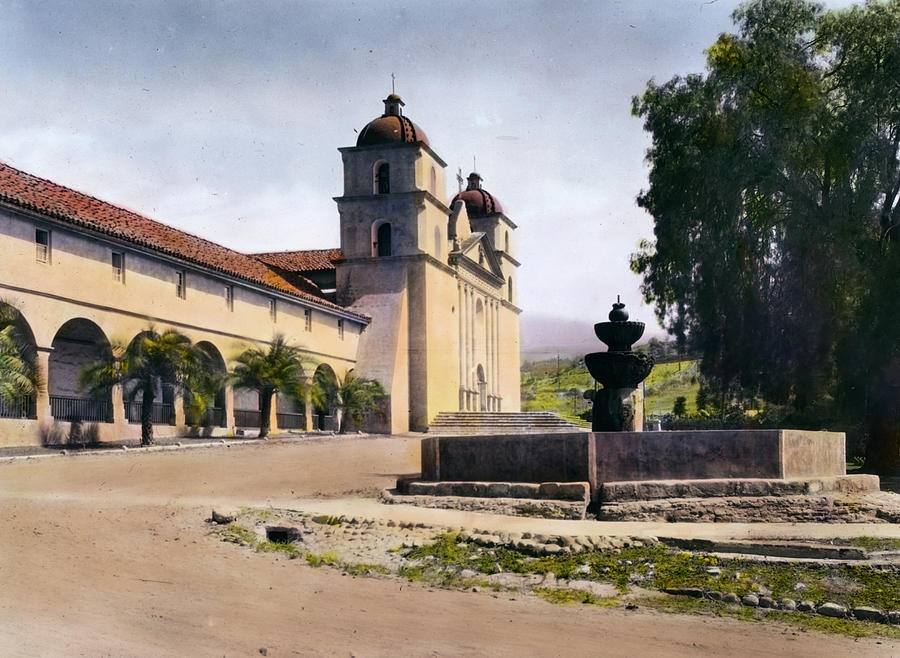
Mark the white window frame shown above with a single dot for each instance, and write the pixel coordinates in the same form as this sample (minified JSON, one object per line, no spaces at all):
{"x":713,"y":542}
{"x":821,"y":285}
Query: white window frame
{"x":181,"y":284}
{"x":118,"y":272}
{"x":42,"y":250}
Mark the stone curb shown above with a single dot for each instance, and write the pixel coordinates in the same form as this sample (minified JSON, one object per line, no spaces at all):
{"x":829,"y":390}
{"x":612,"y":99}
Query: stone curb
{"x":169,"y":447}
{"x":828,"y":609}
{"x":550,"y":509}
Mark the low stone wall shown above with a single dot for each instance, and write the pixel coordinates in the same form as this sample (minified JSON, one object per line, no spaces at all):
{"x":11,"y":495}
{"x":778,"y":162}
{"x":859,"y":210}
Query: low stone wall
{"x":714,"y":454}
{"x":613,"y":492}
{"x":601,"y":457}
{"x":574,"y":491}
{"x":556,"y":457}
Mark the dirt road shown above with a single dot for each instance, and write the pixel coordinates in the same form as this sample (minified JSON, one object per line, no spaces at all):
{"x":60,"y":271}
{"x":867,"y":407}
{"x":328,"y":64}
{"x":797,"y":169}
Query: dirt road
{"x":109,"y":556}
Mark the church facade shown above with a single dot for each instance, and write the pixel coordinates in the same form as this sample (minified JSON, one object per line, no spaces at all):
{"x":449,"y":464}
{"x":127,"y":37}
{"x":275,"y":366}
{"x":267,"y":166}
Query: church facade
{"x":420,"y":295}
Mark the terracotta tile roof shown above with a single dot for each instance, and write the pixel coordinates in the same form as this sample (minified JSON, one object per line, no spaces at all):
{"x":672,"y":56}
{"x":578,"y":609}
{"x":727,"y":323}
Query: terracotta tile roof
{"x":309,"y":260}
{"x":26,"y":191}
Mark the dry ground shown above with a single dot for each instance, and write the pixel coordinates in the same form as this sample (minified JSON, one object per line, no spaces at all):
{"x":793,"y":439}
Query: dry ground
{"x":109,"y":555}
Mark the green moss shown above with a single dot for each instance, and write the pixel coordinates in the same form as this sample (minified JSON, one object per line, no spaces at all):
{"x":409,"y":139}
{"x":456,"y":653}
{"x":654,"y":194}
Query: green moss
{"x":277,"y":547}
{"x":876,"y":543}
{"x":327,"y":519}
{"x":411,"y":573}
{"x":238,"y":534}
{"x":562,"y":596}
{"x":541,"y":512}
{"x":447,"y":549}
{"x":366,"y":569}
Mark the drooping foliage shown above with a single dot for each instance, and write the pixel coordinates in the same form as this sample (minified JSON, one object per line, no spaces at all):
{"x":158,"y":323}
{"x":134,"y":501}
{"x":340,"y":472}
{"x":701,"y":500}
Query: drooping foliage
{"x":775,"y":192}
{"x":143,"y":366}
{"x":269,"y":370}
{"x":19,"y":376}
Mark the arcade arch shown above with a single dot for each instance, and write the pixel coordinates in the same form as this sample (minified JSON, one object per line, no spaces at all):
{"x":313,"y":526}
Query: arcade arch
{"x":78,"y":343}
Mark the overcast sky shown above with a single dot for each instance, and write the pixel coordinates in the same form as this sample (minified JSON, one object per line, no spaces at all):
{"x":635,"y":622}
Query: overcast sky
{"x":224,"y":118}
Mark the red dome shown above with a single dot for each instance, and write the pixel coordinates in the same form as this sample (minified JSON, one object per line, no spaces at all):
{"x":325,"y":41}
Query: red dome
{"x":391,"y":127}
{"x":479,"y":202}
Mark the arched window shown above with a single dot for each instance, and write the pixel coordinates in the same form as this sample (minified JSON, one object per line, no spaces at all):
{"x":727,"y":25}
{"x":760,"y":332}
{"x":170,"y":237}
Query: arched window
{"x":433,"y":182}
{"x":383,"y":240}
{"x":382,"y":178}
{"x":506,"y":242}
{"x":509,"y":290}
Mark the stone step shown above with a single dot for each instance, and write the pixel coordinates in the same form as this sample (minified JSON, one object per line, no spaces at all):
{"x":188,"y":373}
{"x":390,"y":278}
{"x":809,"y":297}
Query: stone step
{"x":494,"y":422}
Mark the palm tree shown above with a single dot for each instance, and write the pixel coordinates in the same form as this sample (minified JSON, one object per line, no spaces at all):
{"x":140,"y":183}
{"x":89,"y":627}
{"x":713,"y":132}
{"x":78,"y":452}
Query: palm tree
{"x":267,"y":371}
{"x":20,"y":379}
{"x":354,"y":396}
{"x":140,"y":367}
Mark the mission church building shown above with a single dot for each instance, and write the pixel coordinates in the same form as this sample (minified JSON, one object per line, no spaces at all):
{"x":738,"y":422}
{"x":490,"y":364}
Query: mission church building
{"x":420,"y":296}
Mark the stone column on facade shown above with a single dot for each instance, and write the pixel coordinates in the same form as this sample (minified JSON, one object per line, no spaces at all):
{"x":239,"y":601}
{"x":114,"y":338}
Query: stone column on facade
{"x":307,"y":403}
{"x":229,"y":407}
{"x":472,"y":355}
{"x":461,"y":347}
{"x":178,"y":404}
{"x":497,"y":348}
{"x":492,"y":366}
{"x":466,"y":356}
{"x":273,"y":414}
{"x":42,"y":410}
{"x":117,"y":398}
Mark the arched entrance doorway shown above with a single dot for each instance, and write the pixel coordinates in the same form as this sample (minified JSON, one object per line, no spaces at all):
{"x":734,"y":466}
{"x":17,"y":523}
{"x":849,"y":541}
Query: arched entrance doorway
{"x":77,"y":344}
{"x":482,"y":390}
{"x":18,"y":365}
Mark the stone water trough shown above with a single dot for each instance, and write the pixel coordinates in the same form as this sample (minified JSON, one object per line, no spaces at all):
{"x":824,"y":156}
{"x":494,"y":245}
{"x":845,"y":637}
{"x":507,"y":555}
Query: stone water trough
{"x":616,"y":469}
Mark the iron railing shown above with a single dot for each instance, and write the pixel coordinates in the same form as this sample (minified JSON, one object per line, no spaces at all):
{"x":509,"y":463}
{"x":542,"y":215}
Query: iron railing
{"x":246,"y":418}
{"x":288,"y":421}
{"x":212,"y":417}
{"x":326,"y":423}
{"x":64,"y":407}
{"x":161,"y":414}
{"x":22,"y":408}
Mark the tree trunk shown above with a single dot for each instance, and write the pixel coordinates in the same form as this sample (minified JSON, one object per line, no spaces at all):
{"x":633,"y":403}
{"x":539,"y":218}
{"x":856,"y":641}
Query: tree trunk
{"x":147,"y":416}
{"x":883,"y":445}
{"x":265,"y":410}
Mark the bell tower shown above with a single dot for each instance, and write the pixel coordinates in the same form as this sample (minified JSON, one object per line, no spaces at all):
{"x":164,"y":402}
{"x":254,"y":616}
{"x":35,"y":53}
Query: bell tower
{"x":393,"y":190}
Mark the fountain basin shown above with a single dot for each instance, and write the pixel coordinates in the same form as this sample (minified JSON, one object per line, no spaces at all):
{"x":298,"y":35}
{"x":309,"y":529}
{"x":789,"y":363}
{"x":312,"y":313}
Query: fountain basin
{"x":619,"y":369}
{"x":619,"y":336}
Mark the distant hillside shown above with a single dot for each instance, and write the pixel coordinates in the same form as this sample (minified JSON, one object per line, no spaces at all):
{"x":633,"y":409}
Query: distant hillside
{"x":557,"y":386}
{"x":545,"y":336}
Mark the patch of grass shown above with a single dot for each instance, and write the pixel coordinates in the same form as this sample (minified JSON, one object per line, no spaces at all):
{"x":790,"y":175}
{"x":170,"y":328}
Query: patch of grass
{"x":278,"y":547}
{"x":238,"y":534}
{"x":411,"y":573}
{"x":539,"y":511}
{"x":563,"y":596}
{"x":366,"y":569}
{"x":330,"y":559}
{"x":328,"y":519}
{"x":876,"y":543}
{"x":833,"y":625}
{"x":659,"y":567}
{"x":447,"y":549}
{"x":265,"y":515}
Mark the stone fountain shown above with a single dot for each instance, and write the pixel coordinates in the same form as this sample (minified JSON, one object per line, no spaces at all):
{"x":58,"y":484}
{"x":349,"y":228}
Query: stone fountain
{"x":620,"y":371}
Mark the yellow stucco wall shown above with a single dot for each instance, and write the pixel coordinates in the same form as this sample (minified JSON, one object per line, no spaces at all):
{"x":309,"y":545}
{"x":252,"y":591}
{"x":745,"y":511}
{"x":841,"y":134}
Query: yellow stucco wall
{"x":78,"y":282}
